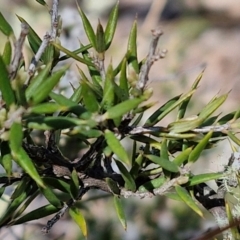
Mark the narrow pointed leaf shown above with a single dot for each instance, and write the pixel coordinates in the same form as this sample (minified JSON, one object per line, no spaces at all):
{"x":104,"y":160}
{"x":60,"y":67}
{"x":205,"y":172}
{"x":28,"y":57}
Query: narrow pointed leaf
{"x":16,"y":136}
{"x":111,"y":26}
{"x":100,"y":40}
{"x":6,"y":158}
{"x":201,"y":178}
{"x":129,"y":181}
{"x":153,"y":184}
{"x":156,"y":115}
{"x":33,"y":39}
{"x":183,"y":106}
{"x":122,"y":108}
{"x":42,"y":2}
{"x":7,"y":53}
{"x":162,"y":162}
{"x":132,"y":48}
{"x":5,"y":27}
{"x":51,"y":197}
{"x":120,"y":211}
{"x":57,"y":184}
{"x":88,"y":28}
{"x":212,"y":106}
{"x":116,"y":146}
{"x":71,"y":54}
{"x":196,"y":152}
{"x":89,"y":98}
{"x":182,"y":157}
{"x":46,"y":108}
{"x":108,"y":90}
{"x":26,"y":163}
{"x":42,"y":92}
{"x":113,"y":186}
{"x":38,"y":213}
{"x":79,"y":219}
{"x":74,"y":184}
{"x":184,"y":195}
{"x":37,"y":81}
{"x":123,"y":81}
{"x":5,"y":85}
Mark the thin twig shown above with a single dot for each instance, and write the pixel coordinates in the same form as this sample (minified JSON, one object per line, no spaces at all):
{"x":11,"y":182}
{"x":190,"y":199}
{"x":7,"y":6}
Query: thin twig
{"x":46,"y":39}
{"x":54,"y":14}
{"x":18,"y":51}
{"x":151,"y":58}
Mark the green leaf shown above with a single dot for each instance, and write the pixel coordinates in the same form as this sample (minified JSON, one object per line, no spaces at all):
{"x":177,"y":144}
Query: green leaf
{"x":120,"y":211}
{"x":37,"y":81}
{"x":16,"y":136}
{"x":14,"y":204}
{"x":129,"y":181}
{"x":183,"y":106}
{"x":157,"y":115}
{"x":152,"y":184}
{"x":47,"y":108}
{"x":182,"y":157}
{"x":7,"y":53}
{"x":111,"y":26}
{"x":122,"y":108}
{"x":88,"y":28}
{"x":70,"y":104}
{"x":79,"y":219}
{"x":123,"y":81}
{"x":5,"y":27}
{"x":71,"y":54}
{"x":132,"y":48}
{"x":113,"y":186}
{"x":46,"y":123}
{"x":57,"y":184}
{"x":38,"y":213}
{"x":33,"y":39}
{"x":42,"y":92}
{"x":202,"y":178}
{"x":42,"y":2}
{"x":51,"y":197}
{"x":21,"y":187}
{"x":162,"y":162}
{"x":5,"y":85}
{"x":26,"y":164}
{"x":108,"y":90}
{"x":233,"y":137}
{"x":89,"y":98}
{"x":74,"y":184}
{"x":184,"y":195}
{"x":6,"y":158}
{"x":75,"y":52}
{"x":100,"y":40}
{"x":116,"y":146}
{"x":196,"y":152}
{"x":212,"y":106}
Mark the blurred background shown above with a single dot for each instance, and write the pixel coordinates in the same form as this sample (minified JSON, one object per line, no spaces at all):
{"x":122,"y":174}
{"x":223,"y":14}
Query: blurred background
{"x":198,"y":35}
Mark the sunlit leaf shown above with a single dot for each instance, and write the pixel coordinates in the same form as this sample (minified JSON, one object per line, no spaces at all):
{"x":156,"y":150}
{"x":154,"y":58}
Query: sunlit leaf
{"x":46,"y":87}
{"x":116,"y":146}
{"x":162,"y":162}
{"x":88,"y":28}
{"x":5,"y":27}
{"x":5,"y":85}
{"x":184,"y":195}
{"x":152,"y":184}
{"x":196,"y":152}
{"x":7,"y":53}
{"x":129,"y":181}
{"x":36,"y":214}
{"x":77,"y":216}
{"x":120,"y":211}
{"x":111,"y":26}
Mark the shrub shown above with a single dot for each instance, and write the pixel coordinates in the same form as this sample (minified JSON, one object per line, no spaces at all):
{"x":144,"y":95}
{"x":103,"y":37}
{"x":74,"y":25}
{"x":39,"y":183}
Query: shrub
{"x":106,"y":107}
